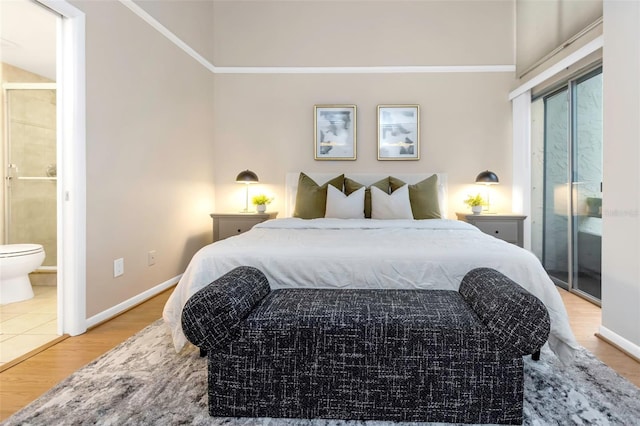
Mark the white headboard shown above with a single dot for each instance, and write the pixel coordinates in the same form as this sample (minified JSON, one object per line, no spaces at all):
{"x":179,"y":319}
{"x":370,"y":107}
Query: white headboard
{"x":291,"y":185}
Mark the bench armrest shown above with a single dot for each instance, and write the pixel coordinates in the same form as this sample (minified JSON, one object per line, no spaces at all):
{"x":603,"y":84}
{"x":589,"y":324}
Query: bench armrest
{"x":518,"y":319}
{"x":211,"y":316}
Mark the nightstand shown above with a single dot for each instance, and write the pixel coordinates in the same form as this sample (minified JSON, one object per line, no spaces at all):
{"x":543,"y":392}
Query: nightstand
{"x":226,"y":225}
{"x":507,"y":227}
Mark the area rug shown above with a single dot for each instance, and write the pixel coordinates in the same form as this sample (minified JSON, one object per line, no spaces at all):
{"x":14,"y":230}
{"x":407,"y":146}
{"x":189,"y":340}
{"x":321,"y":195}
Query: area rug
{"x":144,"y":382}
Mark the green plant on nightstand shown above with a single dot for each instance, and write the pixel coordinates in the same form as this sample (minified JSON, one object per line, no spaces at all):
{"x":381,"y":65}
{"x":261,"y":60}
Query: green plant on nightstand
{"x":261,"y":201}
{"x":475,"y":202}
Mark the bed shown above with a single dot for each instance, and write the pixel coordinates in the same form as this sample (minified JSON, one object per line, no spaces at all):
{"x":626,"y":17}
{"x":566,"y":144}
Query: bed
{"x":369,"y":253}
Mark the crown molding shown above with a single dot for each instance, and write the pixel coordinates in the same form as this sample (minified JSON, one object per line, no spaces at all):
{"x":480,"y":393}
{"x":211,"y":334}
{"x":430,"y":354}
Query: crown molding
{"x":131,"y":5}
{"x":368,"y":69}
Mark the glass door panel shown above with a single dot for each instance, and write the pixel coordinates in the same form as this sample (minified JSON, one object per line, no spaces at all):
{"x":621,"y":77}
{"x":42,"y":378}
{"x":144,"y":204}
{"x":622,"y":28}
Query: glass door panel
{"x":587,"y":184}
{"x":556,"y":203}
{"x":31,"y":168}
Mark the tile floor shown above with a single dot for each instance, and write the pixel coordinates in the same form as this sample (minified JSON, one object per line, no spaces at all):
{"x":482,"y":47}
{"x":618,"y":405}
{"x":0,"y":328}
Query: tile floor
{"x":24,"y":326}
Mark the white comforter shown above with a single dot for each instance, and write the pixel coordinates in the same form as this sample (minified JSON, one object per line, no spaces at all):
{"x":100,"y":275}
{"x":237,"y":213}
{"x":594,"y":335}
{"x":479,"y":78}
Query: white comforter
{"x":368,"y":253}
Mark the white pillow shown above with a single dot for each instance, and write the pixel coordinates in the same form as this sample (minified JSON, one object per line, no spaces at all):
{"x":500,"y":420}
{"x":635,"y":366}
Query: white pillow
{"x":341,"y":206}
{"x":391,"y":206}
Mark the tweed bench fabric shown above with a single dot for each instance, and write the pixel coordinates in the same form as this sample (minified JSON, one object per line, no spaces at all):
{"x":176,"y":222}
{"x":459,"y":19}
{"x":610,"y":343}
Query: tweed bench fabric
{"x":403,"y":355}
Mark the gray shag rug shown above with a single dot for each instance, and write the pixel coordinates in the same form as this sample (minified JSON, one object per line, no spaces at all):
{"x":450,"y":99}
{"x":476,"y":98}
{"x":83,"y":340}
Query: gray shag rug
{"x":144,"y":382}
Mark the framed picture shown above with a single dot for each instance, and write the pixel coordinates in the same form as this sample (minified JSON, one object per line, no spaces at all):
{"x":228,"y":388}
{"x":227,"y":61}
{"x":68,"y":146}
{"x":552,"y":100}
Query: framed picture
{"x":334,"y":132}
{"x":398,"y":132}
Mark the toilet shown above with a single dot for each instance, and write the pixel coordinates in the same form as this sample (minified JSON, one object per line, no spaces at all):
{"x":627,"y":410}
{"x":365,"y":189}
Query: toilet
{"x":16,"y":262}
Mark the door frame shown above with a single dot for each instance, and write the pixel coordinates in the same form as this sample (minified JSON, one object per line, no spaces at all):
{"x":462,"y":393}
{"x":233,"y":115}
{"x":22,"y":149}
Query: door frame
{"x":71,"y":158}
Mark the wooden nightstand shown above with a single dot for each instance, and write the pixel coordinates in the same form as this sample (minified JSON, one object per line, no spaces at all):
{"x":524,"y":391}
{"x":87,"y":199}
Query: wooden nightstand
{"x":507,"y":227}
{"x":226,"y":225}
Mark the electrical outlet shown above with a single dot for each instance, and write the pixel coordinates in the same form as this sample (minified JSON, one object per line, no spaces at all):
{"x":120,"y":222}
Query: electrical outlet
{"x":118,"y":267}
{"x":151,"y":258}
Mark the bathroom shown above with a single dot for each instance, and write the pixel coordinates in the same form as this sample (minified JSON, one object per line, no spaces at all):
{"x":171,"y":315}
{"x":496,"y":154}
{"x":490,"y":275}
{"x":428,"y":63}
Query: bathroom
{"x":29,"y":168}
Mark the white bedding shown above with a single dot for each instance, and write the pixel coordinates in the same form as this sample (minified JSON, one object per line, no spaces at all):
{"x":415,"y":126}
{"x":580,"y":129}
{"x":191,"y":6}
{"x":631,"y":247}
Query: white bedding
{"x":368,"y":253}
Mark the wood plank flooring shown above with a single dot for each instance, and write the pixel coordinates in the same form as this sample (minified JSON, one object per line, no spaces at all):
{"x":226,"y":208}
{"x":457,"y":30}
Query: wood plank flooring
{"x":585,"y":319}
{"x":23,"y":383}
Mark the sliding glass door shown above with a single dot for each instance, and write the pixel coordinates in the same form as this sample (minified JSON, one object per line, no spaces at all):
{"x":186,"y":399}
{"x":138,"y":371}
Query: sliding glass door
{"x":572,"y":185}
{"x":587,"y":184}
{"x":555,"y":256}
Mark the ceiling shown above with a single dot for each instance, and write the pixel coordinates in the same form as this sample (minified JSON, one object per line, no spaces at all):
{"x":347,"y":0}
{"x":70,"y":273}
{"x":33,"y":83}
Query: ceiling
{"x":28,"y":37}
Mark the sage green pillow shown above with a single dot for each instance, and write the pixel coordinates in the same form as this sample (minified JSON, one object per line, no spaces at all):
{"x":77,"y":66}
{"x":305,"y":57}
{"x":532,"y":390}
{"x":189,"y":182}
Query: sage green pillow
{"x":351,"y":185}
{"x":423,"y":197}
{"x":311,"y":198}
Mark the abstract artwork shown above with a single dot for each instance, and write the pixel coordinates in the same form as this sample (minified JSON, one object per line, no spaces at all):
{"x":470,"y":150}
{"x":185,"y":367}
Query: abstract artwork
{"x":398,"y":132}
{"x":335,"y":132}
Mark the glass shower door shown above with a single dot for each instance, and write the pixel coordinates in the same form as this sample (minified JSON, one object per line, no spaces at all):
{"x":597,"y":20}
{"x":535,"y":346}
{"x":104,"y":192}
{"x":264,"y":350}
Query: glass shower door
{"x":30,"y":214}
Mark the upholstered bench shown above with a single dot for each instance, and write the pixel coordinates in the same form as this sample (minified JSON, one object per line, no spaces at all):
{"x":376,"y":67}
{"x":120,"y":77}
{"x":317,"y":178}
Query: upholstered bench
{"x":403,"y":355}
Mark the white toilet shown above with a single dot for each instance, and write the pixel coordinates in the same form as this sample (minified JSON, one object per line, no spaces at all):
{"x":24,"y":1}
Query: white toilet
{"x":16,"y":262}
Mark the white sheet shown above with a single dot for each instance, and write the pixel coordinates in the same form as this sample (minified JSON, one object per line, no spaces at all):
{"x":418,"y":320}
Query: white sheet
{"x":368,"y":253}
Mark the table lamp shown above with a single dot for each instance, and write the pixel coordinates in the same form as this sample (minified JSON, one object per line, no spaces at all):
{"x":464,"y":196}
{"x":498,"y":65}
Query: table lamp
{"x":487,"y":178}
{"x":247,"y":177}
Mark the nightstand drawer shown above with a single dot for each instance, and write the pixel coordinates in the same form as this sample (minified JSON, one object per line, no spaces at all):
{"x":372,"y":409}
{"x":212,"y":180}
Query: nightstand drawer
{"x":505,"y":230}
{"x":507,"y":227}
{"x":229,"y":228}
{"x":227,"y":225}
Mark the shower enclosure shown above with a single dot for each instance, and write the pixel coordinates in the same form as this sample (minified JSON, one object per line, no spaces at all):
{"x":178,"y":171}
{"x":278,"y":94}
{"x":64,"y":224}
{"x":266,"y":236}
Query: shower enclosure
{"x":30,"y":167}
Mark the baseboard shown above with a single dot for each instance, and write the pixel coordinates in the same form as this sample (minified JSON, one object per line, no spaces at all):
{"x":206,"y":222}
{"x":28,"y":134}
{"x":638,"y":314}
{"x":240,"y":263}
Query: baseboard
{"x":130,"y":303}
{"x":619,"y":342}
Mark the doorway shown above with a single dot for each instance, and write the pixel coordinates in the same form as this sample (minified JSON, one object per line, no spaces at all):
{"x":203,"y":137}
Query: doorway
{"x":568,"y":123}
{"x":71,"y":162}
{"x":29,"y":169}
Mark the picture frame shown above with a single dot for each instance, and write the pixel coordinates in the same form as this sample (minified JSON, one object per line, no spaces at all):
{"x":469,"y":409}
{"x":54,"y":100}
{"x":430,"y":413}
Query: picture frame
{"x":335,"y":132}
{"x":398,"y":132}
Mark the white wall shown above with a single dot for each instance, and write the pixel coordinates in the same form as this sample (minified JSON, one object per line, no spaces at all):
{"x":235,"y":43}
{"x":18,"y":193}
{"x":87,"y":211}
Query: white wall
{"x":621,"y":200}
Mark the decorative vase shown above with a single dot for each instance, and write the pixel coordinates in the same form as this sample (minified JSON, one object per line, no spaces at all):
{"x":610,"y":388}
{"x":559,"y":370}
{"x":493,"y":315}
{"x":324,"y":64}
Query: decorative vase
{"x":261,"y":208}
{"x":476,"y":209}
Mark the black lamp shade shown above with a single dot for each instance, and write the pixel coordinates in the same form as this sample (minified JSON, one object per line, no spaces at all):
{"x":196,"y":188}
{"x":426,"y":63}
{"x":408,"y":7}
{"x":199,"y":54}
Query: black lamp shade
{"x":487,"y":178}
{"x":247,"y":177}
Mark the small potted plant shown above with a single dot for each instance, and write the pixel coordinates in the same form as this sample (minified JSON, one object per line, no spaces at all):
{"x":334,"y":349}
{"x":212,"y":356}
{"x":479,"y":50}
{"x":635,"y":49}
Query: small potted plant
{"x":475,"y":202}
{"x":261,"y":201}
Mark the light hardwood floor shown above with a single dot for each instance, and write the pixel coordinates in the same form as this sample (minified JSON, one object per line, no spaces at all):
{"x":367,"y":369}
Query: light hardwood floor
{"x":23,"y":383}
{"x":585,"y":319}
